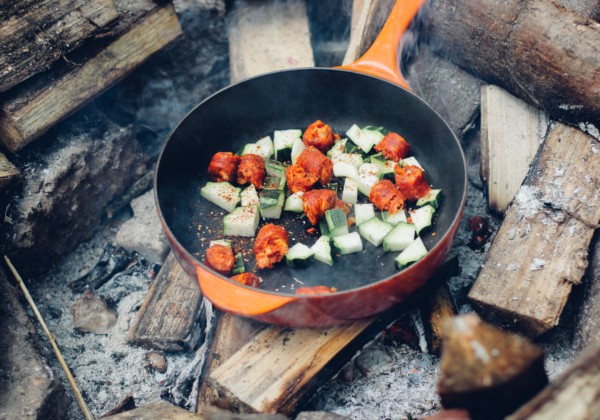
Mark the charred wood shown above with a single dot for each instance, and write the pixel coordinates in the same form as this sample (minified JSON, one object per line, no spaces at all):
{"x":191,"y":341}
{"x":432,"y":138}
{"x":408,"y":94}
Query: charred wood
{"x":487,"y":371}
{"x":8,"y":171}
{"x":112,"y":261}
{"x":588,"y":322}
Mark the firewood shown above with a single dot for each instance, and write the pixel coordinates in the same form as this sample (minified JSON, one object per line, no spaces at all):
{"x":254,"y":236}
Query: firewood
{"x":588,"y":323}
{"x":511,"y":133}
{"x":169,"y":317}
{"x":158,"y":410}
{"x":540,"y":251}
{"x":487,"y":371}
{"x":33,"y":35}
{"x":8,"y":171}
{"x":29,"y":110}
{"x":543,"y":54}
{"x":367,"y":20}
{"x":573,"y":395}
{"x":437,"y":308}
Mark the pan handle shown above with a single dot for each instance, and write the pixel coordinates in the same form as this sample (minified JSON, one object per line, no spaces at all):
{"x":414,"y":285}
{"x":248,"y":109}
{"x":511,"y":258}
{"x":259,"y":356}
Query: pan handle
{"x":381,"y":59}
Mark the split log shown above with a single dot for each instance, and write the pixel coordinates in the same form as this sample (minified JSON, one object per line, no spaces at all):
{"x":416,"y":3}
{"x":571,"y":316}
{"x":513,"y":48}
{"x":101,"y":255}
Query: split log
{"x":487,"y":371}
{"x":29,"y":110}
{"x":511,"y":133}
{"x":366,"y":25}
{"x":574,"y":395}
{"x":8,"y":171}
{"x":33,"y":35}
{"x":169,"y":318}
{"x":540,"y":251}
{"x":436,"y":309}
{"x":588,"y":320}
{"x":159,"y":410}
{"x":543,"y":54}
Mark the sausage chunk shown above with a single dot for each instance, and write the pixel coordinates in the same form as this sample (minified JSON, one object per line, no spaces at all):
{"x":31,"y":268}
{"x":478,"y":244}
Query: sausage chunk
{"x":317,"y":202}
{"x":393,"y":146}
{"x":315,"y":290}
{"x":316,"y":163}
{"x":223,"y":167}
{"x":251,"y":170}
{"x":319,"y":135}
{"x":411,"y":182}
{"x":385,"y":196}
{"x":249,"y":279}
{"x":271,"y":245}
{"x":298,"y":179}
{"x":220,"y":258}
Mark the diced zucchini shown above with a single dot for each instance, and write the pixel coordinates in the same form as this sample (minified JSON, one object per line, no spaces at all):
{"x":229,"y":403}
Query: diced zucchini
{"x":223,"y":194}
{"x":243,"y":221}
{"x":271,"y":203}
{"x":363,"y":212}
{"x":338,"y":148}
{"x":411,"y":161}
{"x":374,"y":230}
{"x":283,"y":141}
{"x":224,"y":242}
{"x":372,"y":134}
{"x":274,"y":183}
{"x":239,"y":267}
{"x":386,"y":166}
{"x":368,"y":175}
{"x":363,"y":139}
{"x":354,"y":159}
{"x":422,"y":217}
{"x":345,"y":170}
{"x":350,"y":191}
{"x":432,"y":198}
{"x":384,"y":131}
{"x":294,"y":202}
{"x":394,"y":218}
{"x":297,"y":148}
{"x":249,"y":196}
{"x":400,"y":237}
{"x":347,"y":244}
{"x":274,"y":168}
{"x":299,"y":255}
{"x":263,"y":147}
{"x":413,"y":253}
{"x":336,"y":222}
{"x":324,"y":229}
{"x":322,"y":250}
{"x":333,"y":186}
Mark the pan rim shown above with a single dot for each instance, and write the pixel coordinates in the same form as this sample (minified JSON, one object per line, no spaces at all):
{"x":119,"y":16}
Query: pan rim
{"x":413,"y":267}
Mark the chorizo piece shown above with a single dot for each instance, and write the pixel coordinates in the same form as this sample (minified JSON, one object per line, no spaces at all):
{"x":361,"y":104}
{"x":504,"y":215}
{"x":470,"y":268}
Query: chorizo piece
{"x":270,"y":246}
{"x":251,"y":170}
{"x":298,"y":179}
{"x":319,"y":135}
{"x":223,"y":167}
{"x":249,"y":279}
{"x":411,"y":181}
{"x":220,"y":258}
{"x":314,"y":290}
{"x":393,"y":146}
{"x":316,"y":202}
{"x":316,"y":163}
{"x":385,"y":196}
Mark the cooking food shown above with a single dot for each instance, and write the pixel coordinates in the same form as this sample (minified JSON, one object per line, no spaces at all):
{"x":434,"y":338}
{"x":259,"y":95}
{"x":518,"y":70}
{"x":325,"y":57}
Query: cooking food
{"x":223,"y":167}
{"x":249,"y":279}
{"x":319,"y":135}
{"x":271,"y":245}
{"x":386,"y":196}
{"x":393,"y":146}
{"x":317,"y":202}
{"x":298,"y":179}
{"x":251,"y":170}
{"x":316,"y":163}
{"x":411,"y":181}
{"x":220,"y":258}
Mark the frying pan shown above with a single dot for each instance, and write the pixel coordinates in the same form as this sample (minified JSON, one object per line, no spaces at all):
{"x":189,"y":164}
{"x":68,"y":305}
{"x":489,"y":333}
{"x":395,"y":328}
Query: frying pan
{"x":368,"y":92}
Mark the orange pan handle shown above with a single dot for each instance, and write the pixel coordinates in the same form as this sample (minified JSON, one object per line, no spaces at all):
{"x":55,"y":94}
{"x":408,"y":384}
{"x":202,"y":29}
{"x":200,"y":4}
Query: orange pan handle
{"x":381,"y":59}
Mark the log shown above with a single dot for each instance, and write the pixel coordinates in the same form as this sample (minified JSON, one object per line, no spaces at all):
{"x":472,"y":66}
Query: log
{"x":33,"y":35}
{"x":541,"y":53}
{"x":587,"y":8}
{"x":35,"y":106}
{"x":8,"y":171}
{"x":366,"y":26}
{"x":511,"y":133}
{"x":487,"y":371}
{"x":574,"y":395}
{"x":159,"y":410}
{"x":587,"y":330}
{"x":169,"y":318}
{"x":540,"y":251}
{"x":436,"y":309}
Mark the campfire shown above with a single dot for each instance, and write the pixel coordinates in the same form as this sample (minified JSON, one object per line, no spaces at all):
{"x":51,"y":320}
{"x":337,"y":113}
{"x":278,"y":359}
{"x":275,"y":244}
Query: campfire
{"x":505,"y":327}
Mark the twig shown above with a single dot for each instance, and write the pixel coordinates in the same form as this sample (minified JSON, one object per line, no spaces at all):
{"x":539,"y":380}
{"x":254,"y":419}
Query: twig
{"x":84,"y":408}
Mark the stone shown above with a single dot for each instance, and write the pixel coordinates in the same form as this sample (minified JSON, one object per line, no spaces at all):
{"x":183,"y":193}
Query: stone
{"x":91,"y":314}
{"x":319,"y":415}
{"x":69,"y":177}
{"x":29,"y":389}
{"x":156,"y":361}
{"x":143,"y":232}
{"x":373,"y":360}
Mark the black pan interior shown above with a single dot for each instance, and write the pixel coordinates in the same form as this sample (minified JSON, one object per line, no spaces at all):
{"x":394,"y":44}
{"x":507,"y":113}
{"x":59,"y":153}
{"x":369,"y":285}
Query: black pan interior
{"x":249,"y":110}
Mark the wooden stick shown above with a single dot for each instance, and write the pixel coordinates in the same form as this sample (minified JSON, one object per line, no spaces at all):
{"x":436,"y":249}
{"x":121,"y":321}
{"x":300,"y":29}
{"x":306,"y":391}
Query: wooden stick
{"x":84,"y":408}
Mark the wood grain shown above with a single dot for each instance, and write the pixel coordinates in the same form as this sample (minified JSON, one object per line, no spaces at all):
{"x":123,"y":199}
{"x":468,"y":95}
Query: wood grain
{"x":8,"y":171}
{"x":541,"y":249}
{"x":169,"y":318}
{"x":511,"y":133}
{"x":33,"y":35}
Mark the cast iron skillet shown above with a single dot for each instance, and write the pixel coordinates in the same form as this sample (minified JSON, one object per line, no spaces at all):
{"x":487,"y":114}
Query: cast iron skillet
{"x":367,"y":282}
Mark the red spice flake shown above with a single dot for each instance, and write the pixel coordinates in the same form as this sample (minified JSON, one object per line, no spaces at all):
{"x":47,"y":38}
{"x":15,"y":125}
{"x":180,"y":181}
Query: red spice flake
{"x":311,"y":231}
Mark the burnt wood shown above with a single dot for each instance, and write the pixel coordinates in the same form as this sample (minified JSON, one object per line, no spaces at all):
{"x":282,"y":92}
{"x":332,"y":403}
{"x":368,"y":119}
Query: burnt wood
{"x":30,"y":109}
{"x":8,"y":171}
{"x":34,"y":34}
{"x":539,"y":52}
{"x":541,"y":249}
{"x":588,"y":320}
